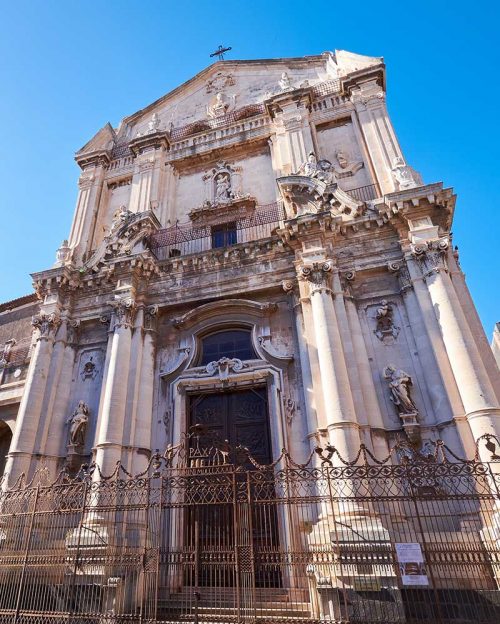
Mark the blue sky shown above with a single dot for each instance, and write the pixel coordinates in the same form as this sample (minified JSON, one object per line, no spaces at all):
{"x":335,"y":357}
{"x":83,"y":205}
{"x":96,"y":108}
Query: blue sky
{"x":67,"y":67}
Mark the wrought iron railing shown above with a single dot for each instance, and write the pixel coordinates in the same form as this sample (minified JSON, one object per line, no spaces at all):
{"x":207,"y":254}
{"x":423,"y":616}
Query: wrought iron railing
{"x":207,"y":534}
{"x":365,"y":193}
{"x":185,"y":239}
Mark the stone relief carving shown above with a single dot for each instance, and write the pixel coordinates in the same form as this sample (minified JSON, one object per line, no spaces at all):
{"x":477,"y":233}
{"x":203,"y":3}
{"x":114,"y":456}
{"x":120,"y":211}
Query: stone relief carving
{"x":400,"y":383}
{"x":346,"y":167}
{"x":220,"y":82}
{"x":224,"y":366}
{"x":385,"y":321}
{"x":404,"y":176}
{"x":78,"y":423}
{"x":89,"y":369}
{"x":182,"y":358}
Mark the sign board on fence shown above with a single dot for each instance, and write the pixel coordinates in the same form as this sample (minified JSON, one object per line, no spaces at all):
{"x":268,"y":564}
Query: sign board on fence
{"x":411,"y":564}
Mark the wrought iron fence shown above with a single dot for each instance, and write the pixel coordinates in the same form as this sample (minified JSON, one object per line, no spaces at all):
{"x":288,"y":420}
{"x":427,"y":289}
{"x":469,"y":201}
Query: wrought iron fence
{"x":206,"y":534}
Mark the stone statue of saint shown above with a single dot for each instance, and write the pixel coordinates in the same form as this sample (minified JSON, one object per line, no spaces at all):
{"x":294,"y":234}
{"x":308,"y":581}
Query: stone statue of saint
{"x":285,"y":82}
{"x":222,"y":187}
{"x":153,"y":124}
{"x":399,"y":386}
{"x":78,"y":424}
{"x":310,"y":167}
{"x":219,"y":107}
{"x":314,"y":168}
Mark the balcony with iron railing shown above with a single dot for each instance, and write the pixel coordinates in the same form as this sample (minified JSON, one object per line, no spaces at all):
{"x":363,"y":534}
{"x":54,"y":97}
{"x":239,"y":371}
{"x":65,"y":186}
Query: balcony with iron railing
{"x":188,"y":238}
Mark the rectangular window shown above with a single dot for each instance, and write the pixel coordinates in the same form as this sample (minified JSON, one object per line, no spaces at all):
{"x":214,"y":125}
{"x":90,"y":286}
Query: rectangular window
{"x":224,"y":235}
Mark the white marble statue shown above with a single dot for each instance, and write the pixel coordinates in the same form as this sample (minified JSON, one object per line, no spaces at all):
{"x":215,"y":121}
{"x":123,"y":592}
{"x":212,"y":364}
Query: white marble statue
{"x":78,"y":424}
{"x":222,"y":188}
{"x":285,"y":84}
{"x":399,"y":386}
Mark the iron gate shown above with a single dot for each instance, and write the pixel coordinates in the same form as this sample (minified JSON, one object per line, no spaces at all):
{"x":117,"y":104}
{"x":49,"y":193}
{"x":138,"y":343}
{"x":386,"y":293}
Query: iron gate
{"x":210,"y":535}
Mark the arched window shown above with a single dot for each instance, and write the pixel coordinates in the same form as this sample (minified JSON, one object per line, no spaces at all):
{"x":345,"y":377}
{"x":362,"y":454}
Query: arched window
{"x":233,"y":343}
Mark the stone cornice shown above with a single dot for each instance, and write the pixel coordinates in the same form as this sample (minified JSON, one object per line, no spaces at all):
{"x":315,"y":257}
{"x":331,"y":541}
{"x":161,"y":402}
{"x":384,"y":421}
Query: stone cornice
{"x":354,"y":79}
{"x":154,"y":140}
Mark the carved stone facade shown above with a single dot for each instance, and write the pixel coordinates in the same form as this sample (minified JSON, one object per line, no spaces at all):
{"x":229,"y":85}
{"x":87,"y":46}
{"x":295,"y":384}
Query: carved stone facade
{"x":258,"y":228}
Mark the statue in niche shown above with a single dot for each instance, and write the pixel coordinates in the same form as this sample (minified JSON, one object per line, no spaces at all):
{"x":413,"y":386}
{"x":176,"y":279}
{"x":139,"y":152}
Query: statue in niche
{"x":284,"y":83}
{"x":78,"y":425}
{"x":320,"y":169}
{"x":385,"y":321}
{"x":222,"y":188}
{"x":399,"y":385}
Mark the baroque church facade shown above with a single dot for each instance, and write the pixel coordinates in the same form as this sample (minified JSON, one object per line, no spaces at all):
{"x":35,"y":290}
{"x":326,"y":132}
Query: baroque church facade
{"x":251,"y":253}
{"x":254,"y":386}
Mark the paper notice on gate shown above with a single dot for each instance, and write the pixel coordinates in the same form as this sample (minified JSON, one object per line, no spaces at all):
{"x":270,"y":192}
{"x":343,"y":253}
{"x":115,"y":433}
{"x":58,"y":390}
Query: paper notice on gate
{"x":411,"y":564}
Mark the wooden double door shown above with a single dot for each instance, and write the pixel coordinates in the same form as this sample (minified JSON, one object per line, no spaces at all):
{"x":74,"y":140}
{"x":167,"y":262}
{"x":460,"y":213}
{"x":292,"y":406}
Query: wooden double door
{"x":240,"y":417}
{"x":224,"y":534}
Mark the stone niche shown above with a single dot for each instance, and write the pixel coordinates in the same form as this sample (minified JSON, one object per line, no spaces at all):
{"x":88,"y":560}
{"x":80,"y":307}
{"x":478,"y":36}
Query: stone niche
{"x":390,"y":341}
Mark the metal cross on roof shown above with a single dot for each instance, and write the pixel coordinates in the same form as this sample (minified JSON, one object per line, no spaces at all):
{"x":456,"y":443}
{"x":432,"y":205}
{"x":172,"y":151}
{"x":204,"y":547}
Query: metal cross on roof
{"x":221,"y":50}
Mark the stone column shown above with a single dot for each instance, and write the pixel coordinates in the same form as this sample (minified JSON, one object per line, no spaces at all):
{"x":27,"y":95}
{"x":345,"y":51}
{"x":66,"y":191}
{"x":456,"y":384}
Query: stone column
{"x":30,"y":413}
{"x":110,"y":425}
{"x":436,"y":366}
{"x":480,"y":403}
{"x":305,"y":366}
{"x":340,"y":413}
{"x":141,"y":433}
{"x":90,"y":190}
{"x":367,"y":387}
{"x":54,"y":443}
{"x":460,"y":285}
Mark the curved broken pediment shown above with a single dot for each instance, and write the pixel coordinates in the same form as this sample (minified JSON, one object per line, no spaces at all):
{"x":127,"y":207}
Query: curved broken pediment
{"x":308,"y":195}
{"x":127,"y":237}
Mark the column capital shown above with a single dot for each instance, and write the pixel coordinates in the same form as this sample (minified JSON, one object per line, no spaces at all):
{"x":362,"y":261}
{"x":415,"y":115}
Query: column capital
{"x":150,"y":318}
{"x":400,"y":269}
{"x":46,"y":324}
{"x":318,"y":275}
{"x":124,"y":311}
{"x":431,"y":256}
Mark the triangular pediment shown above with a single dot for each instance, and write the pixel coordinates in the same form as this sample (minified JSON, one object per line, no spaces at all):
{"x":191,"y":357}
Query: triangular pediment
{"x":102,"y":141}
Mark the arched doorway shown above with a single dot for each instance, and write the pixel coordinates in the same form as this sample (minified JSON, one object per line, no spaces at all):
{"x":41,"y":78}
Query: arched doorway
{"x":5,"y":440}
